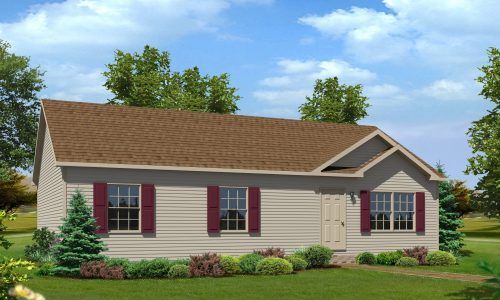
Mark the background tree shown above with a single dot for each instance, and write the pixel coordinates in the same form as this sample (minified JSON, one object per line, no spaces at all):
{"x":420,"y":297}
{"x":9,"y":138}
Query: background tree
{"x":484,"y":139}
{"x":463,"y":197}
{"x":79,"y":242}
{"x":19,"y":106}
{"x":14,"y":193}
{"x":145,"y":79}
{"x":334,"y":102}
{"x":450,"y":238}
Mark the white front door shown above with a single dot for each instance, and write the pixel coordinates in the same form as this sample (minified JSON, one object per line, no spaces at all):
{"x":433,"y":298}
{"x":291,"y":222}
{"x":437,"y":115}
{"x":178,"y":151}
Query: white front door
{"x":333,"y":231}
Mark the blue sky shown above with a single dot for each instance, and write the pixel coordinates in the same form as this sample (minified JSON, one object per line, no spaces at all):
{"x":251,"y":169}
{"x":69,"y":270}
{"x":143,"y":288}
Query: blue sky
{"x":417,"y":60}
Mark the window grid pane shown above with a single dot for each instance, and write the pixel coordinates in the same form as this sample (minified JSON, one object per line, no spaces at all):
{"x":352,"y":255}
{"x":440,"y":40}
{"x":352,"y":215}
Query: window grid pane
{"x":233,"y":202}
{"x":380,"y":213}
{"x":403,"y":211}
{"x":123,"y":207}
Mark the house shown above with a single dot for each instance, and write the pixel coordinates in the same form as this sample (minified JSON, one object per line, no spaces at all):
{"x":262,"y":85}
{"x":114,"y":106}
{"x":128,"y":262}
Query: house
{"x":165,"y":183}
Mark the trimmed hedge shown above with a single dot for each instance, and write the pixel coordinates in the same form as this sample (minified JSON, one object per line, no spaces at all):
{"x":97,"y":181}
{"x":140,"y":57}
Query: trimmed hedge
{"x":156,"y":268}
{"x":298,"y":263}
{"x":274,"y":266}
{"x":317,"y":256}
{"x":230,"y":264}
{"x":406,"y":261}
{"x":389,"y":258}
{"x":178,"y":271}
{"x":366,"y":258}
{"x":441,"y":258}
{"x":248,"y":262}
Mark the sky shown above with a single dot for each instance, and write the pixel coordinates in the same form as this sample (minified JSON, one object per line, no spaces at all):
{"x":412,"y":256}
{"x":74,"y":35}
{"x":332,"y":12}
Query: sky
{"x":417,"y":60}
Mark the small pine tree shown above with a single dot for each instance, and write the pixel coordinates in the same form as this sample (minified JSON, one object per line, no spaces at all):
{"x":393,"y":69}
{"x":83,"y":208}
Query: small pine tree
{"x":79,"y":242}
{"x":450,"y":238}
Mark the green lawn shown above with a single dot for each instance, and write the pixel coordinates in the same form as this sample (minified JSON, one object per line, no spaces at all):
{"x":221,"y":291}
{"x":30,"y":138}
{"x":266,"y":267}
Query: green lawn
{"x":25,"y":222}
{"x":314,"y":284}
{"x":481,"y":227}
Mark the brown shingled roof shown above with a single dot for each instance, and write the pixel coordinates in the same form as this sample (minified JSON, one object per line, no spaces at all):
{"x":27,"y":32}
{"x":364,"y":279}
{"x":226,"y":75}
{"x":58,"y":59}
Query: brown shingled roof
{"x":100,"y":133}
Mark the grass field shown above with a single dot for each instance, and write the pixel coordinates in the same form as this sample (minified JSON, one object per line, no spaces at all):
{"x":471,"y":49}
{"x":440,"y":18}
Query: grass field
{"x":330,"y":283}
{"x":25,"y":222}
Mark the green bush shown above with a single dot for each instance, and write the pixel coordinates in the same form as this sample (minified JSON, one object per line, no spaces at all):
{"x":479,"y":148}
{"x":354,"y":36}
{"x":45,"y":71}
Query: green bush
{"x":248,"y":262}
{"x":156,"y":268}
{"x":317,"y":256}
{"x":179,"y":271}
{"x":46,"y":269}
{"x":230,"y":264}
{"x":117,"y":262}
{"x":300,"y":253}
{"x":441,"y":258}
{"x":298,"y":263}
{"x":274,"y":266}
{"x":389,"y":258}
{"x":366,"y":258}
{"x":406,"y":261}
{"x":181,"y":261}
{"x":41,"y":250}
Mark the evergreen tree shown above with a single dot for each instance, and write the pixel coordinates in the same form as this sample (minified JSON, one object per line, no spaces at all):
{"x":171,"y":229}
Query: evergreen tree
{"x":79,"y":242}
{"x":450,"y":238}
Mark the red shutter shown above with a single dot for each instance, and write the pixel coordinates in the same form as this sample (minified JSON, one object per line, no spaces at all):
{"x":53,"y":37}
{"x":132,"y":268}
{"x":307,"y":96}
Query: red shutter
{"x":420,"y":211}
{"x":365,"y":211}
{"x":147,"y":208}
{"x":253,"y":209}
{"x":213,"y":224}
{"x":101,"y":206}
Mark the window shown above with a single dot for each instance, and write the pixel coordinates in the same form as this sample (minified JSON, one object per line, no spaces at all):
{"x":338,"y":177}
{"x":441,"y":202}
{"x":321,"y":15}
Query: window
{"x":123,"y":207}
{"x":403,"y":211}
{"x":391,"y":211}
{"x":380,"y":211}
{"x":233,"y":208}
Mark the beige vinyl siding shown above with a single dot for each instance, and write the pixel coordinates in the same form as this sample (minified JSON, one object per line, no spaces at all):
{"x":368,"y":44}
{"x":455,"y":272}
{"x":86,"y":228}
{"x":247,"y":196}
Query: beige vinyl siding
{"x":290,"y":210}
{"x":363,"y":153}
{"x":50,"y":194}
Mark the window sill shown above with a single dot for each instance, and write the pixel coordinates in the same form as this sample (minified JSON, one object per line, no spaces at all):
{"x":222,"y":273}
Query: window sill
{"x":233,"y":231}
{"x":392,"y":231}
{"x":125,"y":232}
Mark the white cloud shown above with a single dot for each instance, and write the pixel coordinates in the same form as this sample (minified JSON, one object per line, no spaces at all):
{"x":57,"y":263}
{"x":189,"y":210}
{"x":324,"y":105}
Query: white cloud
{"x":445,"y":89}
{"x":386,"y":95}
{"x":282,"y":97}
{"x":436,"y":32}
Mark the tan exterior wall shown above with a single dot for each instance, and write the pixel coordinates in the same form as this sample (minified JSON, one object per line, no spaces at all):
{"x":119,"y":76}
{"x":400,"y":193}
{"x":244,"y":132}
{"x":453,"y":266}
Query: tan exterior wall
{"x":363,"y":153}
{"x":290,"y":210}
{"x":51,"y":188}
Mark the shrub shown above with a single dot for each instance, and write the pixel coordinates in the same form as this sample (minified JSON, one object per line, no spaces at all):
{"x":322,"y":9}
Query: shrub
{"x":207,"y":264}
{"x":158,"y":268}
{"x":11,"y":273}
{"x":178,"y":271}
{"x":274,"y":266}
{"x":317,"y":256}
{"x":366,"y":258}
{"x":406,"y":261}
{"x":230,"y":264}
{"x":271,"y":252}
{"x":41,"y":248}
{"x":389,"y":258}
{"x":135,"y":270}
{"x":441,"y":258}
{"x":117,"y":262}
{"x":298,"y":263}
{"x":98,"y":269}
{"x":181,"y":261}
{"x":419,"y":253}
{"x":248,"y":262}
{"x":46,"y":269}
{"x":300,"y":253}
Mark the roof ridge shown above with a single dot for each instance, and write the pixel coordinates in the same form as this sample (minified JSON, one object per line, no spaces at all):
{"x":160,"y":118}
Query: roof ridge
{"x":211,"y":113}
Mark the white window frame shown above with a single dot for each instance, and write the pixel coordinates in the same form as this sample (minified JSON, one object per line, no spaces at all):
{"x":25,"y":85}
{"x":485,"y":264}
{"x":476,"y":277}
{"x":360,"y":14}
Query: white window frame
{"x":391,"y":214}
{"x":139,"y":230}
{"x":246,"y":204}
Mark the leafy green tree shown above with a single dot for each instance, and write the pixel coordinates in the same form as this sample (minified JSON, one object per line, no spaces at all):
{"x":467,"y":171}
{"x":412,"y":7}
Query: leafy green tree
{"x":14,"y":193}
{"x":146,"y":79}
{"x":463,"y":198}
{"x":484,"y":139}
{"x":19,"y":106}
{"x":335,"y":102}
{"x":79,"y":242}
{"x":450,"y":238}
